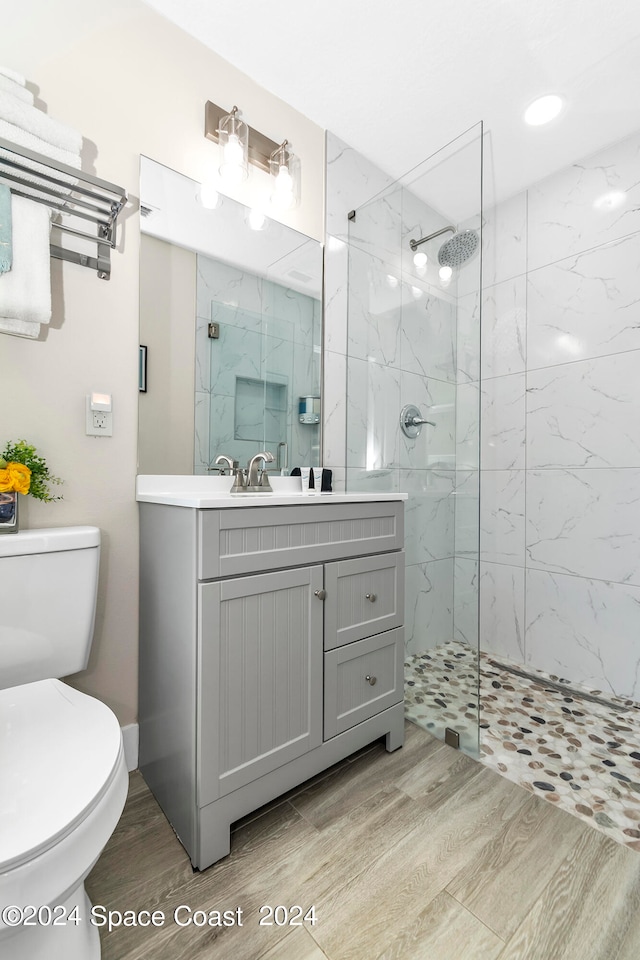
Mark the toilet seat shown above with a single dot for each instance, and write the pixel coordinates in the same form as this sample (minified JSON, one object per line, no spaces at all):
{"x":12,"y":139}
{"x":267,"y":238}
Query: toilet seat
{"x":60,"y":752}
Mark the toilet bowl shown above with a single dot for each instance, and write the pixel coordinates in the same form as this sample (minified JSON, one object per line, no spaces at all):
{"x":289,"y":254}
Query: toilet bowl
{"x":63,"y":776}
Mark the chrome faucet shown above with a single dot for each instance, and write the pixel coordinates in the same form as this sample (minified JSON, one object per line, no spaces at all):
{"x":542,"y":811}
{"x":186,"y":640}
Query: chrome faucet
{"x":258,"y":483}
{"x":222,"y":459}
{"x":239,"y":482}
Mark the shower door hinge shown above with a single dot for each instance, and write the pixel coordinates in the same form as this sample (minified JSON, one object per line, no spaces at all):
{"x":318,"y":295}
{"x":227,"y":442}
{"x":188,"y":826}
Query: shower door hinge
{"x":452,"y":738}
{"x":214,"y":331}
{"x":351,"y":215}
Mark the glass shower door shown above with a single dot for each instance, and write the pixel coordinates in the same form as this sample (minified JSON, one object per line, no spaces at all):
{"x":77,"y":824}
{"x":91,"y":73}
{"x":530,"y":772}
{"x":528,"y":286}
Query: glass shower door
{"x":413,"y":413}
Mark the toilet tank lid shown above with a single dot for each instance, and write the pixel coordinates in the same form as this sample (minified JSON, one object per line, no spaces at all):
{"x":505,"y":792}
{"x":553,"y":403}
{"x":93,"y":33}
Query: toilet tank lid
{"x":48,"y":540}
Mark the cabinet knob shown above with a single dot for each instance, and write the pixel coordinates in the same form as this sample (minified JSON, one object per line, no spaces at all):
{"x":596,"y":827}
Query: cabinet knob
{"x":371,"y":680}
{"x":371,"y":597}
{"x":320,"y":594}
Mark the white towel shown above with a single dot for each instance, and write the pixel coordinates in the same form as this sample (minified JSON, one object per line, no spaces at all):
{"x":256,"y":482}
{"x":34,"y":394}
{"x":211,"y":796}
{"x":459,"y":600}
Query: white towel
{"x":20,"y":328}
{"x":9,"y":131}
{"x":10,"y":86}
{"x":34,"y":121}
{"x":25,"y":292}
{"x":13,"y":75}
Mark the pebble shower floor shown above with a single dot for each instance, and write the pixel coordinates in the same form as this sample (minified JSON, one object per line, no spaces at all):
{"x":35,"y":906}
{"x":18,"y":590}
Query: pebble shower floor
{"x":579,"y":754}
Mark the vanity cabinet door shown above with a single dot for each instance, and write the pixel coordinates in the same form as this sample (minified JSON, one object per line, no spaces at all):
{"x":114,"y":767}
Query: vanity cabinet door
{"x":364,"y":596}
{"x":259,"y":676}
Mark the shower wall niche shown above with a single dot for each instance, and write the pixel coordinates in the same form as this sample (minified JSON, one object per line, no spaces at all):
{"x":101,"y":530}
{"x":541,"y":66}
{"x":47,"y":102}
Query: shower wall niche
{"x":264,"y":356}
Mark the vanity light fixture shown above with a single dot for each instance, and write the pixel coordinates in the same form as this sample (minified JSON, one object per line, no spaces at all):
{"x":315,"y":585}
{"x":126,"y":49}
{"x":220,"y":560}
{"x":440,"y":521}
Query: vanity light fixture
{"x":233,"y":137}
{"x":240,"y":144}
{"x":284,"y":169}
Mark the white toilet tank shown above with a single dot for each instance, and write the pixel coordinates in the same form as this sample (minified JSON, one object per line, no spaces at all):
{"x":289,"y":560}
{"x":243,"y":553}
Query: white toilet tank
{"x":48,"y":589}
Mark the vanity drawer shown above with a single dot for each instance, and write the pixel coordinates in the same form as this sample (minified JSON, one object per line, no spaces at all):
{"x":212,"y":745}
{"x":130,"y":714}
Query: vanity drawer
{"x":245,"y":540}
{"x":349,"y":697}
{"x":363,"y":596}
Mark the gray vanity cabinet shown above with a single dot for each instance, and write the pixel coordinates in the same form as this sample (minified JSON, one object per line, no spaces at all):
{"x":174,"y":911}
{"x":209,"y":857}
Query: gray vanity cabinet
{"x":259,"y":704}
{"x":271,"y":647}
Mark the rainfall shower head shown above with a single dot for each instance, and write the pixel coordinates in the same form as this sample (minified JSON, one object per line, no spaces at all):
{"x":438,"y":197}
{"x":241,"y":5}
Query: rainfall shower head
{"x":455,"y":251}
{"x":459,"y":249}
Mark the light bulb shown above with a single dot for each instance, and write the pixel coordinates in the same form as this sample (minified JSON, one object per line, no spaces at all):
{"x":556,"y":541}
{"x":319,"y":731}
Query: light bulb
{"x":445,"y":273}
{"x":256,"y":219}
{"x":284,"y":181}
{"x":209,"y":196}
{"x":232,"y":151}
{"x":543,"y":110}
{"x":282,"y":196}
{"x":232,"y":167}
{"x":420,"y":259}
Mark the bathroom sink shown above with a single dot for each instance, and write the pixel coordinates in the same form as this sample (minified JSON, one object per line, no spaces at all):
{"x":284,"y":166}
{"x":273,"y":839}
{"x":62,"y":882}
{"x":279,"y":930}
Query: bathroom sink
{"x":215,"y":492}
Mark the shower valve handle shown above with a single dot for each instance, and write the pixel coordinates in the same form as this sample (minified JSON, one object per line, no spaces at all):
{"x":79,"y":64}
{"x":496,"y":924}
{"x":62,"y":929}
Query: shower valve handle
{"x":411,"y":421}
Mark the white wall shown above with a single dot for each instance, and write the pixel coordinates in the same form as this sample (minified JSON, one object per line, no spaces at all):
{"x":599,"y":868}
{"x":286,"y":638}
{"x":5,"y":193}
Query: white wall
{"x":560,"y":447}
{"x":131,"y":83}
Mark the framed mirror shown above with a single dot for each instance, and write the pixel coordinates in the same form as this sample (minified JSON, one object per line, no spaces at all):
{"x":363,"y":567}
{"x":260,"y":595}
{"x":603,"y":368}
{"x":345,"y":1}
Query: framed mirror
{"x":230,"y":331}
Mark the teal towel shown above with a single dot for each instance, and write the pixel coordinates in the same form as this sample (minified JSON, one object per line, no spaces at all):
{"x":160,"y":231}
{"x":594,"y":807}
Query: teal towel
{"x":6,"y":246}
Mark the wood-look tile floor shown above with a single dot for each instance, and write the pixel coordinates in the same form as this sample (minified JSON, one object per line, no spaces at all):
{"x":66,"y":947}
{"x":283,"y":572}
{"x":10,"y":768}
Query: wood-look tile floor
{"x":419,"y":854}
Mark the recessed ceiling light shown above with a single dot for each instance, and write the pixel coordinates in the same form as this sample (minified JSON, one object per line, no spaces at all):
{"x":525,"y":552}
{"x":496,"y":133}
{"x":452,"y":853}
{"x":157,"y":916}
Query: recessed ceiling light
{"x":543,"y":109}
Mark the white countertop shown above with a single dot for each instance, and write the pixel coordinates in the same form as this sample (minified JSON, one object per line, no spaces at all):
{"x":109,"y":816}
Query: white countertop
{"x":214,"y":493}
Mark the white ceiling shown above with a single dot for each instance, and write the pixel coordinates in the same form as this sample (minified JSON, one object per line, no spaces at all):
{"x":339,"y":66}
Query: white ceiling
{"x":398,"y":80}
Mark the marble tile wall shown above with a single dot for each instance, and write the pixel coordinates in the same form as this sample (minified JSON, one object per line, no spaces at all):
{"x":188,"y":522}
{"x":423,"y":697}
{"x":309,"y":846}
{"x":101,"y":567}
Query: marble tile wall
{"x":560,"y":447}
{"x":268,"y":334}
{"x":390,"y":340}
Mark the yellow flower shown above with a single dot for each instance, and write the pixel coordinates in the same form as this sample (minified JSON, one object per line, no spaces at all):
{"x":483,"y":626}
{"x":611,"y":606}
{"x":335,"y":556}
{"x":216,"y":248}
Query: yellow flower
{"x":15,"y":476}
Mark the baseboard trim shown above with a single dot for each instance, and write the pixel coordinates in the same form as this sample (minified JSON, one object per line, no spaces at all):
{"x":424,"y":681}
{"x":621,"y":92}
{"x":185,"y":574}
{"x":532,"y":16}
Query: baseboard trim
{"x":131,"y":739}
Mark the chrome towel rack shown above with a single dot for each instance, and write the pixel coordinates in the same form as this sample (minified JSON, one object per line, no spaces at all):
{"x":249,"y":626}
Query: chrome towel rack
{"x":80,"y":200}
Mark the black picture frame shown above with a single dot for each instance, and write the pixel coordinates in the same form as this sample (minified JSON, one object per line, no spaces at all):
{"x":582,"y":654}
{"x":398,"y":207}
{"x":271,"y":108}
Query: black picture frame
{"x":142,"y":369}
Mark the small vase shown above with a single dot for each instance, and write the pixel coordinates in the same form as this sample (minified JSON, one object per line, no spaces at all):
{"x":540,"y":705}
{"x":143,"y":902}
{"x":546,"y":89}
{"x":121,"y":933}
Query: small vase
{"x":9,"y":512}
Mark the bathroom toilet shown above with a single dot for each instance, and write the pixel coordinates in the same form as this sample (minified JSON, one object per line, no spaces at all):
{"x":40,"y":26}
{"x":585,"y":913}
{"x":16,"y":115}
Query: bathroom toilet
{"x":63,"y":776}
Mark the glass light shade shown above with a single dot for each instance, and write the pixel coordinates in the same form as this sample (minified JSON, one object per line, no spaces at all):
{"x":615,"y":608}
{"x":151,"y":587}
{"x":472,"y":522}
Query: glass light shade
{"x":420,"y":259}
{"x":233,"y":137}
{"x":285,"y":170}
